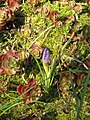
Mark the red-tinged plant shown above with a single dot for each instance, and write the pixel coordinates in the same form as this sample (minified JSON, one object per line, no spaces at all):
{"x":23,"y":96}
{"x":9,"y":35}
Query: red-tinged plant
{"x":13,"y":3}
{"x":1,"y":70}
{"x":45,"y":11}
{"x":65,"y":83}
{"x":34,"y":3}
{"x":36,"y":50}
{"x":8,"y":62}
{"x":5,"y":16}
{"x":22,"y":54}
{"x":53,"y":16}
{"x":31,"y":90}
{"x":78,"y":8}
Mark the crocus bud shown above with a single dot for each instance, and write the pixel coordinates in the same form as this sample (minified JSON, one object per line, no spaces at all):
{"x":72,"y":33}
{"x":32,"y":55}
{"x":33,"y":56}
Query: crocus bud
{"x":46,"y":55}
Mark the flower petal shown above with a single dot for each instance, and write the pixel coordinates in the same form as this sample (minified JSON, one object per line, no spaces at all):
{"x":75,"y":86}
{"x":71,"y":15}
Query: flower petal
{"x":46,"y":55}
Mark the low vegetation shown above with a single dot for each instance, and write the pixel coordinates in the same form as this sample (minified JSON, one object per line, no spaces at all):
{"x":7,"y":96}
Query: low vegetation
{"x":44,"y":60}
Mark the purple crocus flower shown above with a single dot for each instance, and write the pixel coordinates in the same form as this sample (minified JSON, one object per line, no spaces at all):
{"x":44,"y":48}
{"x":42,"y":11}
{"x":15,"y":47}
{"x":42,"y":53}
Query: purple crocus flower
{"x":46,"y":55}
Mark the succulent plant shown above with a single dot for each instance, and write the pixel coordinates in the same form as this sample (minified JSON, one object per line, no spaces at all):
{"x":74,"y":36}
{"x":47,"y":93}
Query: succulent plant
{"x":30,"y":90}
{"x":34,"y":3}
{"x":45,"y":10}
{"x":9,"y":62}
{"x":36,"y":50}
{"x":5,"y":15}
{"x":13,"y":3}
{"x":53,"y":16}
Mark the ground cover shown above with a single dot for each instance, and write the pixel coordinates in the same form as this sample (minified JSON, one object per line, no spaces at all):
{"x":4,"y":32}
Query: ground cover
{"x":44,"y":60}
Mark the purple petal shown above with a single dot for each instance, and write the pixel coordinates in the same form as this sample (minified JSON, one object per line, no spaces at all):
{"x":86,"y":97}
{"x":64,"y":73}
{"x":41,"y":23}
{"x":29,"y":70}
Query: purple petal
{"x":46,"y":55}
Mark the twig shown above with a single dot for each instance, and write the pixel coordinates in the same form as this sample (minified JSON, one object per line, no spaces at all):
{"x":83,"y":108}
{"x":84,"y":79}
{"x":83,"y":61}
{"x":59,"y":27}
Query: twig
{"x":42,"y":34}
{"x":73,"y":59}
{"x":66,"y":44}
{"x":45,"y":37}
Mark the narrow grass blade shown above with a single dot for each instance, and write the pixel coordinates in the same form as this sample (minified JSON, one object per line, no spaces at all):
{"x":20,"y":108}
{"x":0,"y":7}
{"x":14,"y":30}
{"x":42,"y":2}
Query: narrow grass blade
{"x":10,"y":107}
{"x":74,"y":93}
{"x":84,"y":91}
{"x":41,"y":72}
